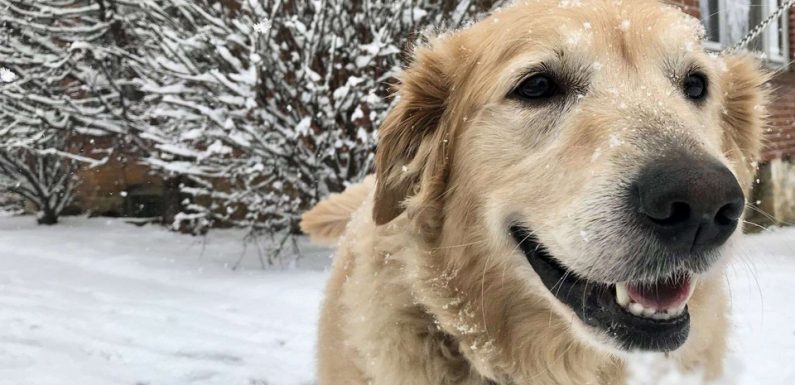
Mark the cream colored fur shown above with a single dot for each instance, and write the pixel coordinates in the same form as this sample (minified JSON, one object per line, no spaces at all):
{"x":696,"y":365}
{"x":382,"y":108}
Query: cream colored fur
{"x":326,"y":222}
{"x":427,"y":287}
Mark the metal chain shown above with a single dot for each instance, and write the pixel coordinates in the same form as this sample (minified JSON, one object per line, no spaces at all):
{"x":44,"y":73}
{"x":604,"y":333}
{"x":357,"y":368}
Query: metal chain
{"x":752,"y":34}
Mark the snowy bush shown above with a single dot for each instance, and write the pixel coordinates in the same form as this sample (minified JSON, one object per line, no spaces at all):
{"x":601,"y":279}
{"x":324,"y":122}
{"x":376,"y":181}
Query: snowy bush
{"x":60,"y":83}
{"x":258,"y":107}
{"x":45,"y":180}
{"x":267,"y":106}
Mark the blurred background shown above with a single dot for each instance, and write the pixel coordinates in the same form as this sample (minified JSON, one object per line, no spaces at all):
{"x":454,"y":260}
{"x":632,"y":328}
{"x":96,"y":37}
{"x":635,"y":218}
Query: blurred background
{"x":198,"y":114}
{"x":240,"y":113}
{"x":156,"y":155}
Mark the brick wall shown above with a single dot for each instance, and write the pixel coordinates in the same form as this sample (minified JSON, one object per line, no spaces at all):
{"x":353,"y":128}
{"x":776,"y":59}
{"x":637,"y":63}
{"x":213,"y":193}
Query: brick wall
{"x":119,"y":187}
{"x":781,"y":134}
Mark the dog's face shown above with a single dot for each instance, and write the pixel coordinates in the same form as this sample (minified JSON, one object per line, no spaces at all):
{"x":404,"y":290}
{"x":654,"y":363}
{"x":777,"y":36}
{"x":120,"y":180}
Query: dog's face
{"x":591,"y":155}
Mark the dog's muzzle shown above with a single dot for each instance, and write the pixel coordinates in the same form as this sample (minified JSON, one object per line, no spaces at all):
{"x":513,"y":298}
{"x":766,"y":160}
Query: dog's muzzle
{"x":685,"y":209}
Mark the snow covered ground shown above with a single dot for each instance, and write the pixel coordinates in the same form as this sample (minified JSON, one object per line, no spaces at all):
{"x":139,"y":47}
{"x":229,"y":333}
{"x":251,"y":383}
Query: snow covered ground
{"x":102,"y":302}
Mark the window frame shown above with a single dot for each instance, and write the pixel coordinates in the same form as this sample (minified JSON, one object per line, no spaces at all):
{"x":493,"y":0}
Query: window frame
{"x":768,"y":39}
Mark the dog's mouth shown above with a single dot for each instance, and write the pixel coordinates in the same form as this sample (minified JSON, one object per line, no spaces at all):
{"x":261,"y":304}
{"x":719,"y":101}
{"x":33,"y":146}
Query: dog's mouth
{"x":650,"y":316}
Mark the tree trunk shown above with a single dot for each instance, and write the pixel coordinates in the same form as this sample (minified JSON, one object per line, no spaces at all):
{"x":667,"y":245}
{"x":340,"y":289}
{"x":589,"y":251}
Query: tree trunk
{"x":47,"y":217}
{"x":172,"y":199}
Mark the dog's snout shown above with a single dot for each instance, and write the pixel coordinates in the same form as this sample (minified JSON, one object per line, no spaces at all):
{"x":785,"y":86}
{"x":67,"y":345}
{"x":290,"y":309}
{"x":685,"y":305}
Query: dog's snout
{"x":691,"y":204}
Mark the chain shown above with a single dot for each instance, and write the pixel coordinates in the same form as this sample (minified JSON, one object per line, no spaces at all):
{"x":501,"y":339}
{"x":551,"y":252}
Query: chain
{"x":752,"y":34}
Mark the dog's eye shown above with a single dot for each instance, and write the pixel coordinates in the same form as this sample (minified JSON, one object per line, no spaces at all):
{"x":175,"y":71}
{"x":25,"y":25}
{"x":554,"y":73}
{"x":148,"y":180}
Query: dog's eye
{"x":695,"y":86}
{"x":536,"y":87}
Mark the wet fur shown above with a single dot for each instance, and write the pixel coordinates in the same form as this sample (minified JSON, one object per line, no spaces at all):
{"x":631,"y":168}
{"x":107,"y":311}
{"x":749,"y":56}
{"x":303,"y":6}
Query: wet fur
{"x":428,"y":288}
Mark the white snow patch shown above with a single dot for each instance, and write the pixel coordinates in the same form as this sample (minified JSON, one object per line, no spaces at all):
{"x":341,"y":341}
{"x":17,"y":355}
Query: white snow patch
{"x":6,"y":75}
{"x":596,"y":154}
{"x":597,"y":66}
{"x":263,"y":26}
{"x":570,"y":3}
{"x":614,"y":141}
{"x":102,"y":302}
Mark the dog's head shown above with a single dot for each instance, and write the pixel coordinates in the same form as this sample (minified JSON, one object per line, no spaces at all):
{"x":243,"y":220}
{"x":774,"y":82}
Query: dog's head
{"x":588,"y":157}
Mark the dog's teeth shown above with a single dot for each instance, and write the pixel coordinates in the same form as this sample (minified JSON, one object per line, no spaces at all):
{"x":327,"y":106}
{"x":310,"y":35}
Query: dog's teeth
{"x":636,"y":309}
{"x":692,"y":288}
{"x":657,"y":314}
{"x":622,"y":297}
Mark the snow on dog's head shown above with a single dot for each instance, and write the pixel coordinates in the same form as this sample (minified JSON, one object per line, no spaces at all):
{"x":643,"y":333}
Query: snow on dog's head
{"x":587,"y":159}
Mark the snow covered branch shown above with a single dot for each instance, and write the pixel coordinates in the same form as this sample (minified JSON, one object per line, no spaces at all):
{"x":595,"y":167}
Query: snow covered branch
{"x":61,"y":82}
{"x":258,"y":107}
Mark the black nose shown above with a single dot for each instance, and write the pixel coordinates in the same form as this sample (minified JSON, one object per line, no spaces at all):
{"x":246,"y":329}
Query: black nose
{"x":691,"y":204}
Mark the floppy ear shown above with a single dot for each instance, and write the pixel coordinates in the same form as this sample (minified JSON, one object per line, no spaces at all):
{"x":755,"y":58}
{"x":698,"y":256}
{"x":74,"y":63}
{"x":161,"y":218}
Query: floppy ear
{"x":745,"y":113}
{"x":412,"y":139}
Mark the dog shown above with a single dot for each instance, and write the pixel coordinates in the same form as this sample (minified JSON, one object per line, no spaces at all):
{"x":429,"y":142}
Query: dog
{"x":556,"y":189}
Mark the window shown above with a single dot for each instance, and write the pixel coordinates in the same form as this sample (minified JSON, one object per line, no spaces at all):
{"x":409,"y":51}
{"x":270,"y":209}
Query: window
{"x":728,"y":21}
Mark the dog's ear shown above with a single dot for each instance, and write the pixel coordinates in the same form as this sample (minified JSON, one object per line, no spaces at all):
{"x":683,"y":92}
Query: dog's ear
{"x":412,"y":139}
{"x":745,"y":114}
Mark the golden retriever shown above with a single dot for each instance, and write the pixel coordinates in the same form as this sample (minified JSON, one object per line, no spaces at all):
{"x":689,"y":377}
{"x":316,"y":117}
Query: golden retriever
{"x":555,"y":191}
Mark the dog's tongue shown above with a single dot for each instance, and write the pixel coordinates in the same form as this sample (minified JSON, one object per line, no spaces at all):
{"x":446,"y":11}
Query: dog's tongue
{"x":661,"y":295}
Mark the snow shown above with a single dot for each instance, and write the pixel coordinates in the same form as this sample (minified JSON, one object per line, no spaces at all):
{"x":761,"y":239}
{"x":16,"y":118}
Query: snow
{"x":762,"y":286}
{"x":147,"y":306}
{"x":101,"y":302}
{"x":263,"y":26}
{"x":6,"y":75}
